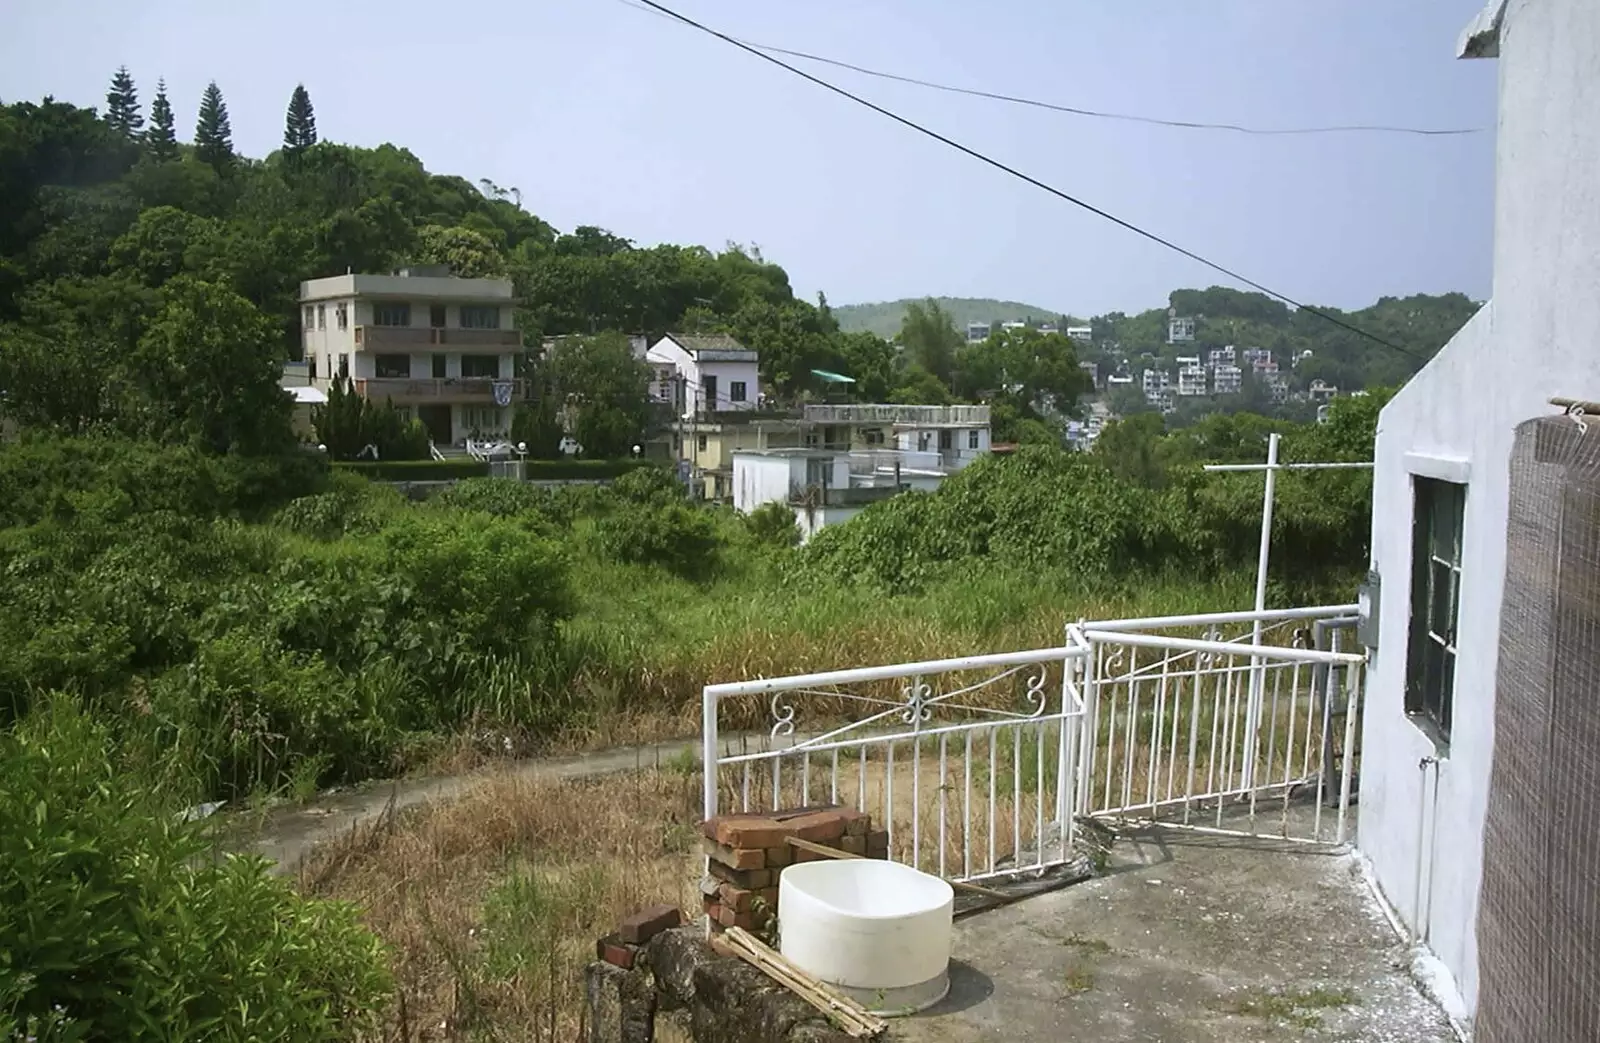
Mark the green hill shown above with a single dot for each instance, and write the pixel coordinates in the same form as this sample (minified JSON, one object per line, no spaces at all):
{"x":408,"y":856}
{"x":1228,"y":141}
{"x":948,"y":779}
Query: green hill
{"x":883,"y":318}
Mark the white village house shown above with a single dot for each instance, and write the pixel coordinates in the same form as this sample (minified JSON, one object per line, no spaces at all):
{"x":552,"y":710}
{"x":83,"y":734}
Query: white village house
{"x":716,"y":373}
{"x":1442,"y":486}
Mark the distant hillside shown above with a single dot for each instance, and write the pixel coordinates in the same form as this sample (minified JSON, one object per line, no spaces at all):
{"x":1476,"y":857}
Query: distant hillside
{"x":884,"y":318}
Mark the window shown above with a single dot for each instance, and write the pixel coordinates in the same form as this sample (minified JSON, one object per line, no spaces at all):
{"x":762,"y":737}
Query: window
{"x":480,"y":366}
{"x":708,"y":392}
{"x":873,"y":436}
{"x":480,"y":317}
{"x":436,"y":316}
{"x":700,"y":443}
{"x":341,"y":315}
{"x":391,"y":367}
{"x":439,"y":367}
{"x":1436,"y":523}
{"x":391,"y":313}
{"x":736,"y":391}
{"x":404,"y":413}
{"x":946,"y":439}
{"x":311,"y":366}
{"x":972,"y":439}
{"x":482,"y":419}
{"x":322,"y":316}
{"x":310,"y":317}
{"x":344,"y":366}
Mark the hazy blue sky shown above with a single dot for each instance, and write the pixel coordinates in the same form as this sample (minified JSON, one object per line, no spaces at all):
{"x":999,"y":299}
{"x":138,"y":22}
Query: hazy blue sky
{"x":604,"y":114}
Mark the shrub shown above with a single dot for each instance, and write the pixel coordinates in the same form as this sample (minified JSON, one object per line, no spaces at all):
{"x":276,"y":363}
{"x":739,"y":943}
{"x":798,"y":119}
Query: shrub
{"x":649,"y":485}
{"x":675,"y":536}
{"x":773,"y":524}
{"x":501,"y":497}
{"x":116,"y":922}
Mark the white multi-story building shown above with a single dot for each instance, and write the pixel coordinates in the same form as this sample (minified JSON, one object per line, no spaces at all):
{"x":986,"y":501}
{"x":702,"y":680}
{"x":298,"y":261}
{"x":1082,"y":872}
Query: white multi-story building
{"x":977,"y":332}
{"x":1227,"y":380}
{"x":1180,"y":329}
{"x":1258,"y":358}
{"x":1322,"y":391}
{"x":1156,"y":381}
{"x":1191,"y":376}
{"x":715,"y":374}
{"x":442,"y":349}
{"x":1082,"y":334}
{"x":847,"y":463}
{"x":1221,"y":357}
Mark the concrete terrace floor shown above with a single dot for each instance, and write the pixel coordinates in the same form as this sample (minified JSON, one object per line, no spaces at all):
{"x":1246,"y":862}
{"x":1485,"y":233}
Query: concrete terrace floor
{"x":1188,"y":938}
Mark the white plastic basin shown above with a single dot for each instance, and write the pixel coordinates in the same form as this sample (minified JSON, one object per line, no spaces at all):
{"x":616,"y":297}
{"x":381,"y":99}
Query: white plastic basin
{"x":878,"y":931}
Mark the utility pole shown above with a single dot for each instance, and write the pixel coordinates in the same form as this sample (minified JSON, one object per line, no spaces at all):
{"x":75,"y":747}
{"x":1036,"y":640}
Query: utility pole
{"x":1257,"y":666}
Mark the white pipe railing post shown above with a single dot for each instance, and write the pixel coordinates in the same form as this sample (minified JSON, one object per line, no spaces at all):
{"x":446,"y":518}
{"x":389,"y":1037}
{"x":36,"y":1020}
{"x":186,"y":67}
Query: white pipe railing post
{"x":708,"y":750}
{"x":1253,"y":712}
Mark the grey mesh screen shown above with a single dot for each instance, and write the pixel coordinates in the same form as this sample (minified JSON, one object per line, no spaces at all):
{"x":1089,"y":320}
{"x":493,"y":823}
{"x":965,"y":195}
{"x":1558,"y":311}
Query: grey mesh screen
{"x":1539,"y":913}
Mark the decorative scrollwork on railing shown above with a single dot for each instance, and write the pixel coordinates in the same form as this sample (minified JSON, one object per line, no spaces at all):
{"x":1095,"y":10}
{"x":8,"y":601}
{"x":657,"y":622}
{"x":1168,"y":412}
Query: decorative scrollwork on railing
{"x":782,"y":715}
{"x":1035,"y":696}
{"x":1302,"y":638}
{"x":1113,"y":660}
{"x":917,"y":696}
{"x":1206,"y":660}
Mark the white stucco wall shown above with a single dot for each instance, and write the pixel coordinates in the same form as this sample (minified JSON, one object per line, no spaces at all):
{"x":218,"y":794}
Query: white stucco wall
{"x":759,"y":479}
{"x":1536,"y":340}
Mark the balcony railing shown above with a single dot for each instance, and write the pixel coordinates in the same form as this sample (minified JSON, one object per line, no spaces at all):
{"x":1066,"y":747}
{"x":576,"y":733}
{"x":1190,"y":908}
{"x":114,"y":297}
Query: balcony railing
{"x":469,"y":390}
{"x":376,"y":338}
{"x":899,"y":416}
{"x":839,"y":496}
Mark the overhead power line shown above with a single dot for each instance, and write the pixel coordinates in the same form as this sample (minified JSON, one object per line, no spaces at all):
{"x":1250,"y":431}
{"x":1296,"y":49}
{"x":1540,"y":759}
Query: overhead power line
{"x":1125,"y":117}
{"x":1014,"y":172}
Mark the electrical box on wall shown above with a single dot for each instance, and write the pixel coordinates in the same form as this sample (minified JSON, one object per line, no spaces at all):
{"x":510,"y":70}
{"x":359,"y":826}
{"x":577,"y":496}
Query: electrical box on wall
{"x":1367,"y":613}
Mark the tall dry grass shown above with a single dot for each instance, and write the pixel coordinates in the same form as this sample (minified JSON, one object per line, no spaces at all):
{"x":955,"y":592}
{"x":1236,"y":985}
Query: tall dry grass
{"x":492,"y":903}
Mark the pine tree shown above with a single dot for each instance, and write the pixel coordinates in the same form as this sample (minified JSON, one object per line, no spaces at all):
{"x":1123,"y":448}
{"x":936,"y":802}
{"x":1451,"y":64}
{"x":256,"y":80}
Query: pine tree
{"x":161,"y":140}
{"x":122,"y":105}
{"x":300,"y":126}
{"x":213,"y":138}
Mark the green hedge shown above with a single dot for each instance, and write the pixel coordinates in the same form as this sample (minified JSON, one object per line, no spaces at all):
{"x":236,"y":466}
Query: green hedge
{"x":447,"y":470}
{"x":415,"y":470}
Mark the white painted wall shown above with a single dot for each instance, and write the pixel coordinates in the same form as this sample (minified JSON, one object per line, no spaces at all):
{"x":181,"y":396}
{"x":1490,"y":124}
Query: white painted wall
{"x":759,"y":479}
{"x":813,"y":520}
{"x":1536,"y":340}
{"x":668,"y":351}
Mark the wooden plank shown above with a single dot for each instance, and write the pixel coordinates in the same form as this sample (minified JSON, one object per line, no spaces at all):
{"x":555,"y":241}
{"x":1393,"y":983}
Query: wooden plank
{"x":959,"y":885}
{"x":850,"y":1016}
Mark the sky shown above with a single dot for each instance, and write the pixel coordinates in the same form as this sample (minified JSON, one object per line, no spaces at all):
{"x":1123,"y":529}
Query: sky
{"x":604,"y":114}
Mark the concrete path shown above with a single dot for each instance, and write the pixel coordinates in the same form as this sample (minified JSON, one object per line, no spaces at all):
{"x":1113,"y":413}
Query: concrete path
{"x":289,"y":833}
{"x":1189,"y":938}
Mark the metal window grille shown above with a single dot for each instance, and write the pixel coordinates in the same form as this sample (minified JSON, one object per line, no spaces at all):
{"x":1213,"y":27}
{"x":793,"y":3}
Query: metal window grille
{"x":1438,"y":513}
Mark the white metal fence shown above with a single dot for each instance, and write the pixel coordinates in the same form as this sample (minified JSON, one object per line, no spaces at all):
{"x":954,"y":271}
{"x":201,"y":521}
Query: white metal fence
{"x":979,"y":766}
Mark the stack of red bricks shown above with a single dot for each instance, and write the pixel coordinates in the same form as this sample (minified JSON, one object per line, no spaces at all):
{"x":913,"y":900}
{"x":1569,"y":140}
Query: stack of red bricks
{"x":746,"y":853}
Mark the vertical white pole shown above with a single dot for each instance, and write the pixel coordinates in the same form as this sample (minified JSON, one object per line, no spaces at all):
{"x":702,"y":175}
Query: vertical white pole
{"x":708,"y":750}
{"x":1253,"y":712}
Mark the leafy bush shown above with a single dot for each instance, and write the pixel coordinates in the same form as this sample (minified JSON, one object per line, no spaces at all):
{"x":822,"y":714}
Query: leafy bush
{"x":501,"y":497}
{"x":649,"y":485}
{"x":117,"y":923}
{"x":773,"y":524}
{"x":351,"y":507}
{"x":679,"y":538}
{"x":62,"y":477}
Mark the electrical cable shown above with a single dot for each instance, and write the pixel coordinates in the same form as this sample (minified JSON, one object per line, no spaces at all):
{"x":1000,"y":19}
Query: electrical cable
{"x":1014,"y":172}
{"x":1012,"y":99}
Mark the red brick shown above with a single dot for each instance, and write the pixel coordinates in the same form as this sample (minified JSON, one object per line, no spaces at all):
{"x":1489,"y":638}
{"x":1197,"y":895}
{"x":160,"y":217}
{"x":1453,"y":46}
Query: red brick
{"x":856,"y":845}
{"x":644,"y":924}
{"x":857,"y":823}
{"x":736,"y":898}
{"x":728,"y":918}
{"x":613,"y":950}
{"x":748,"y":920}
{"x":778,"y":857}
{"x":769,"y":895}
{"x":735,"y":858}
{"x":878,"y":844}
{"x":751,"y":832}
{"x":819,"y":827}
{"x":750,"y":879}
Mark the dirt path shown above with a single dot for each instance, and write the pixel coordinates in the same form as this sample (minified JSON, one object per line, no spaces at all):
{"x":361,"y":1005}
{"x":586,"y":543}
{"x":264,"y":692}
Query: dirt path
{"x":288,"y":834}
